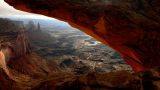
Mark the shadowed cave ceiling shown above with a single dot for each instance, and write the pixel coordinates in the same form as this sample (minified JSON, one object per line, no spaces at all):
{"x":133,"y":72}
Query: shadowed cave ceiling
{"x":129,"y":26}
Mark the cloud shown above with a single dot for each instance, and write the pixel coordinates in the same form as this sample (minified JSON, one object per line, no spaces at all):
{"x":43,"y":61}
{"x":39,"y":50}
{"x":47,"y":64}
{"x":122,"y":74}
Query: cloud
{"x":5,"y":9}
{"x":5,"y":6}
{"x":8,"y":11}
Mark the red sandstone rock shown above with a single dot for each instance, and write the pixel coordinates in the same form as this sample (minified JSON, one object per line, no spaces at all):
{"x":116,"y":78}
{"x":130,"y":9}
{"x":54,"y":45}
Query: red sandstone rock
{"x":129,"y":26}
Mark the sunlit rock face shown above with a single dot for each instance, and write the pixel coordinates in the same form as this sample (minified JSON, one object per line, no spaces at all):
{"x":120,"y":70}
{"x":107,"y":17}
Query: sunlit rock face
{"x":129,"y":26}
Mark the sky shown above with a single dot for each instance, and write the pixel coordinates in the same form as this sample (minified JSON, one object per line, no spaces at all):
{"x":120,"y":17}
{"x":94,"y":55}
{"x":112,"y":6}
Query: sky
{"x":8,"y":11}
{"x":5,"y":9}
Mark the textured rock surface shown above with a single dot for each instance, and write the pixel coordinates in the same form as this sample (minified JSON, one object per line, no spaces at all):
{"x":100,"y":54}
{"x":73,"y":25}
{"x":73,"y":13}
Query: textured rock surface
{"x":129,"y":26}
{"x":122,"y":80}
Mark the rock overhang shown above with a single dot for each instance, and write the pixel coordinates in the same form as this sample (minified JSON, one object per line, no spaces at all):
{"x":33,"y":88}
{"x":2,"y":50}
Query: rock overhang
{"x":129,"y":26}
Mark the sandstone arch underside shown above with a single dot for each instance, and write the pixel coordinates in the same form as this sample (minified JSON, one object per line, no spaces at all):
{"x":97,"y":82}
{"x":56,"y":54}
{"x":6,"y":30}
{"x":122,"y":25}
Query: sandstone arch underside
{"x":132,"y":27}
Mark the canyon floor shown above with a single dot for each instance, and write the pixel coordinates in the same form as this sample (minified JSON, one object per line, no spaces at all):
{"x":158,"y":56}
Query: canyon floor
{"x":56,"y":79}
{"x":37,"y":59}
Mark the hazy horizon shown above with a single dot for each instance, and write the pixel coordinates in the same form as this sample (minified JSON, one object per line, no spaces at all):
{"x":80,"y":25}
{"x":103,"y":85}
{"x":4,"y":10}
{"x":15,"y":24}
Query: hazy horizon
{"x":6,"y":11}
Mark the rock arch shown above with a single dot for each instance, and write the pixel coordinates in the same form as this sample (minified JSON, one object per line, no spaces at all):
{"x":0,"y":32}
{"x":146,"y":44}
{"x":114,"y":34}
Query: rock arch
{"x":129,"y":26}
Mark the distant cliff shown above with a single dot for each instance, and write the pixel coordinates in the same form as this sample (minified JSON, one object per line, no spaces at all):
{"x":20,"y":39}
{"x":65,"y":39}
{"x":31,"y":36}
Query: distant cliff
{"x":16,"y":50}
{"x":13,"y":35}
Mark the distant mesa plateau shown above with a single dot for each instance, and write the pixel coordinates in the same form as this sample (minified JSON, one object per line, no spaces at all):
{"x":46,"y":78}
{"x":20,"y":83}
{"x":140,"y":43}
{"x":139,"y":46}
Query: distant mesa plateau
{"x":43,"y":55}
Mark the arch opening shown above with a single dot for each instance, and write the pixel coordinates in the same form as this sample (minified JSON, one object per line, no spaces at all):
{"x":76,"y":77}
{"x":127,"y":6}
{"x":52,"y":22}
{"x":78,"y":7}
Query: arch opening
{"x":29,"y":23}
{"x":60,"y":45}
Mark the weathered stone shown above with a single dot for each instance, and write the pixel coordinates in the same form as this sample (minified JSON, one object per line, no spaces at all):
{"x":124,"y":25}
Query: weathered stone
{"x":107,"y":81}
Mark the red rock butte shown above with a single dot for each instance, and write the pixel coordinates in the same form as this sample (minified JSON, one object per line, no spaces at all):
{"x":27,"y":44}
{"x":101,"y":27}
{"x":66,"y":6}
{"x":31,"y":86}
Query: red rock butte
{"x":132,"y":27}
